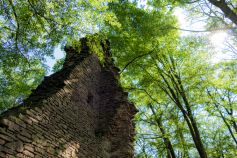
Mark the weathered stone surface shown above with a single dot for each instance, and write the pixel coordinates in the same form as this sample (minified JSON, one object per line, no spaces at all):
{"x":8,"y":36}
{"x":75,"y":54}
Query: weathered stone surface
{"x":80,"y":111}
{"x":6,"y":137}
{"x":2,"y":154}
{"x":2,"y":141}
{"x":28,"y":153}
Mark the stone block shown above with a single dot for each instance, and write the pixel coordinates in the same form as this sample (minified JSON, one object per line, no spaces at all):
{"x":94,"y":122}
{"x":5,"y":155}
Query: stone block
{"x":6,"y":137}
{"x":2,"y":154}
{"x":26,"y":134}
{"x":20,"y":155}
{"x":2,"y":141}
{"x":29,"y":147}
{"x":10,"y":156}
{"x":7,"y":150}
{"x":28,"y":153}
{"x":24,"y":139}
{"x":11,"y":125}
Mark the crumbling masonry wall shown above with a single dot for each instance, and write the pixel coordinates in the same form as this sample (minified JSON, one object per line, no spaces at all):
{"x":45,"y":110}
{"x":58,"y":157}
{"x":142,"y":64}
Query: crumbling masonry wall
{"x":80,"y":111}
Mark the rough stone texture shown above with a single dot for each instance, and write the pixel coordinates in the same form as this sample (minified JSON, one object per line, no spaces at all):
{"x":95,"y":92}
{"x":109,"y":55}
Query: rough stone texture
{"x":80,"y":111}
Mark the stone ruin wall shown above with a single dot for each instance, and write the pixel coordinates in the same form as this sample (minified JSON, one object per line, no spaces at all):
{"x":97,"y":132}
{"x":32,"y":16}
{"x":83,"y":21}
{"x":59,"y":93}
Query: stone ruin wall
{"x":80,"y":111}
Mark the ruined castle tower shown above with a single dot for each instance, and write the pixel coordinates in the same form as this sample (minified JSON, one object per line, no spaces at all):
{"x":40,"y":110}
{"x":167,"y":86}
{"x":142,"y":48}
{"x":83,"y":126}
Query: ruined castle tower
{"x":80,"y":111}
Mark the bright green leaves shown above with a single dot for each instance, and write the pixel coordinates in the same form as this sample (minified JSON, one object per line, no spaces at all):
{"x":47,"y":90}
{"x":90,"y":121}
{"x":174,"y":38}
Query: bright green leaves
{"x":111,"y":18}
{"x":58,"y":65}
{"x":225,"y":73}
{"x":17,"y":82}
{"x":37,"y":26}
{"x":139,"y":33}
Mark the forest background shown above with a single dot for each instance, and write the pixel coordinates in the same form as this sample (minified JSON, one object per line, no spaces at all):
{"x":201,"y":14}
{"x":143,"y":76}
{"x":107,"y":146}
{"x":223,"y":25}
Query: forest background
{"x":180,"y":72}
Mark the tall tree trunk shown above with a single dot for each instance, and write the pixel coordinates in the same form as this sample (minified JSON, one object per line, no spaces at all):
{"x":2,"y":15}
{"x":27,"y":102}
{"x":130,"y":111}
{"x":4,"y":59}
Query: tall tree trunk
{"x":192,"y":128}
{"x":226,"y":123}
{"x":234,"y":125}
{"x":189,"y":116}
{"x":170,"y":149}
{"x":184,"y":152}
{"x":195,"y":135}
{"x":223,"y":117}
{"x":187,"y":113}
{"x":175,"y":90}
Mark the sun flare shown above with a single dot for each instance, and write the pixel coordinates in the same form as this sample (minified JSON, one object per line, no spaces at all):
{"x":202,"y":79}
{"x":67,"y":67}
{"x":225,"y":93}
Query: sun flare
{"x":218,"y":38}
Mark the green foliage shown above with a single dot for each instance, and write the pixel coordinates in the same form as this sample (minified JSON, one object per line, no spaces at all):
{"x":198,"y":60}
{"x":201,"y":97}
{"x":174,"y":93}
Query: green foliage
{"x":94,"y":43}
{"x":58,"y":65}
{"x":17,"y":82}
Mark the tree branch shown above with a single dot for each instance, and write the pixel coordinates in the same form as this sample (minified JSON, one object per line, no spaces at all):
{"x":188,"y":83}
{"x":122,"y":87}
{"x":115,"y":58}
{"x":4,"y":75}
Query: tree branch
{"x":228,"y":12}
{"x":17,"y":24}
{"x":134,"y":59}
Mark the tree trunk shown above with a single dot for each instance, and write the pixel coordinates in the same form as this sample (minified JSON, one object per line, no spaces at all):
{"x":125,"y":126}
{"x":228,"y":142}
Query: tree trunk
{"x":176,"y":92}
{"x":226,"y":123}
{"x":228,"y":12}
{"x":189,"y":117}
{"x":184,"y":152}
{"x":170,"y":150}
{"x":195,"y":135}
